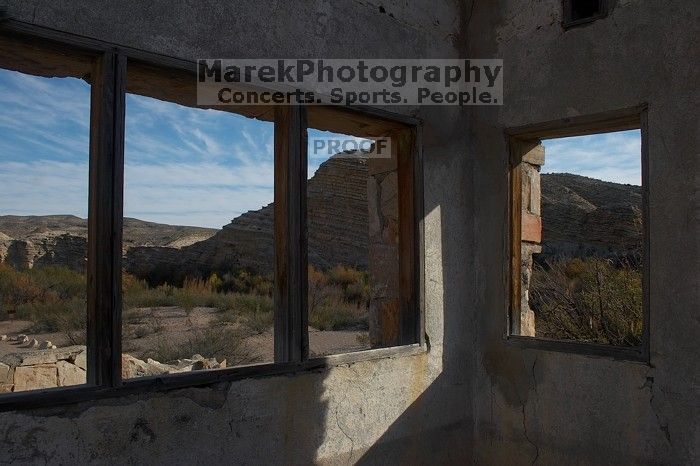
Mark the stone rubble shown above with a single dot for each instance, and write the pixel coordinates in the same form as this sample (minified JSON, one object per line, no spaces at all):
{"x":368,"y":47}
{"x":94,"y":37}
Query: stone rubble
{"x":61,"y":367}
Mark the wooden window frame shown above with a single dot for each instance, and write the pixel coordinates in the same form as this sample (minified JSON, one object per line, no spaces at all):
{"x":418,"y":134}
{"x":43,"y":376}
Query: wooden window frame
{"x":520,"y":140}
{"x":568,"y":22}
{"x":105,"y":221}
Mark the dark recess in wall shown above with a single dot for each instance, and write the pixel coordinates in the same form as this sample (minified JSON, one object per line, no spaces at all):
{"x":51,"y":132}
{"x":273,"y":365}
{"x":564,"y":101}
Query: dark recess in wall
{"x":584,"y":9}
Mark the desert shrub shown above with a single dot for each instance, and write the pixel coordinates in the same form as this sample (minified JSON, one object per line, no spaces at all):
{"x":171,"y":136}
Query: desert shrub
{"x":66,"y":316}
{"x":53,"y":298}
{"x":244,"y":281}
{"x":223,"y":342}
{"x":338,"y":316}
{"x":255,"y":311}
{"x":338,"y":299}
{"x":62,"y":281}
{"x":591,"y":299}
{"x":353,"y":282}
{"x":334,"y":312}
{"x":343,"y":276}
{"x":18,"y":288}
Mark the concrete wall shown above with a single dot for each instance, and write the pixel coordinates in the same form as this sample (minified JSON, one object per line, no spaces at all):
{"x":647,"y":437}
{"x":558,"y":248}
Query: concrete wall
{"x":537,"y":407}
{"x":406,"y":409}
{"x":471,"y":398}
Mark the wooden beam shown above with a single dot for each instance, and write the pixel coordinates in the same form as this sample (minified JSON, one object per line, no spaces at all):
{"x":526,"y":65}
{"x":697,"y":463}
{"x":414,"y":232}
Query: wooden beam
{"x":291,"y":316}
{"x":409,"y":313}
{"x":604,"y":122}
{"x":517,"y":149}
{"x":105,"y":221}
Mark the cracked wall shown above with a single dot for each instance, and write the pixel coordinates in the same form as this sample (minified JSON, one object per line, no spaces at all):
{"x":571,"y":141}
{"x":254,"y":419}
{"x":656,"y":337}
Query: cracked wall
{"x":539,"y":407}
{"x":471,"y":397}
{"x":410,"y":409}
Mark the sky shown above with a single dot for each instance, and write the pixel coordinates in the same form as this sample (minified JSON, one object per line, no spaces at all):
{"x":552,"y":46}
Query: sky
{"x":186,"y":166}
{"x":611,"y":156}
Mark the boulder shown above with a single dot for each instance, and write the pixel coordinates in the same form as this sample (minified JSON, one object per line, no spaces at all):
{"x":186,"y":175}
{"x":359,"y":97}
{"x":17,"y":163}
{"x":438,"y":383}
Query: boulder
{"x":69,"y":352}
{"x":133,"y":367}
{"x":205,"y":364}
{"x":70,"y":374}
{"x":6,"y":373}
{"x":36,"y":377}
{"x":30,"y":358}
{"x":45,"y":345}
{"x":81,"y":360}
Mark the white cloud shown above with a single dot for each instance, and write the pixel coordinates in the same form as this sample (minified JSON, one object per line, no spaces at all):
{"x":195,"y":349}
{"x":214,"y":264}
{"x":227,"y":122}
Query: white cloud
{"x":43,"y":187}
{"x":612,"y":157}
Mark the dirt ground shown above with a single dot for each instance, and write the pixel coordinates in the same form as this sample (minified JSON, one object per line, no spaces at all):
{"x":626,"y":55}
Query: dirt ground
{"x":175,"y":325}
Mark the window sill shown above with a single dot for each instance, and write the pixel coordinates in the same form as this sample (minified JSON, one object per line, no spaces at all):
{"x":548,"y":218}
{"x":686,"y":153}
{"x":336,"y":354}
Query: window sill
{"x":619,"y":353}
{"x":72,"y":395}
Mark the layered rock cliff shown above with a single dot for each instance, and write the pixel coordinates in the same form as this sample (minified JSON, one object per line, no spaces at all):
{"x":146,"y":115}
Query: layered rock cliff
{"x":337,"y":231}
{"x":584,"y":216}
{"x":581,"y":216}
{"x":35,"y":241}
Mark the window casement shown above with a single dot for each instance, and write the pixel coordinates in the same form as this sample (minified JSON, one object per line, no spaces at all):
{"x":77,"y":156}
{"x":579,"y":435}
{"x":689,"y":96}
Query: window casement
{"x":588,"y":285}
{"x":114,"y":72}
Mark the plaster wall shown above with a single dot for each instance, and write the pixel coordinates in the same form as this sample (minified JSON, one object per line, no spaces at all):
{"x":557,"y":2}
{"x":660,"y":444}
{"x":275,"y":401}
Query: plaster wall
{"x":471,"y":397}
{"x":538,"y":407}
{"x":407,"y":409}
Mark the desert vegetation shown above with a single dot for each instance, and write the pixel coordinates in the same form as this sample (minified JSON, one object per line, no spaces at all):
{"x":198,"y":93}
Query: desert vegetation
{"x":219,"y":312}
{"x":588,"y":299}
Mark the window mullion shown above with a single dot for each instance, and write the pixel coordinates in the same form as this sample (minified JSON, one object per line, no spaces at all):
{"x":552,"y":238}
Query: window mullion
{"x":105,"y":220}
{"x":291,"y":329}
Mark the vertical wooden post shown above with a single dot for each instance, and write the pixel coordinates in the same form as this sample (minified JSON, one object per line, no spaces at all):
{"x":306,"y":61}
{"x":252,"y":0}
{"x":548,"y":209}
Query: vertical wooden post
{"x":409,"y":206}
{"x":105,"y":221}
{"x":291,"y":314}
{"x":515,"y":203}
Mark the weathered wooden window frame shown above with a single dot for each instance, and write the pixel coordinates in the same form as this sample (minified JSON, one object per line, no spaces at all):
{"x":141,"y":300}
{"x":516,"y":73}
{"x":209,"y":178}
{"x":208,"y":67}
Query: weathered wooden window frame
{"x":105,"y":219}
{"x":520,"y":140}
{"x":568,"y":22}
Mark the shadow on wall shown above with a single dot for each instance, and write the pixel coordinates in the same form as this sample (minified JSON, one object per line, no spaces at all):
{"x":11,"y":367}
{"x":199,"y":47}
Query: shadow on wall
{"x":436,"y":427}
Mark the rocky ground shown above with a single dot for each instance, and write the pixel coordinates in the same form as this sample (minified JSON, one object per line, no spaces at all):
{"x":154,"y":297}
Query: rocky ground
{"x":173,"y":326}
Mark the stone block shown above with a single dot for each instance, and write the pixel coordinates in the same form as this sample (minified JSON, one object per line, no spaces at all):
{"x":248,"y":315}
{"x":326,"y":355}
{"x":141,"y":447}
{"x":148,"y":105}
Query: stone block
{"x":535,"y":156}
{"x":6,"y":388}
{"x":31,"y":358}
{"x":70,"y":374}
{"x":81,"y":360}
{"x":527,"y":323}
{"x":36,"y":377}
{"x":531,"y":228}
{"x":532,"y":191}
{"x":69,"y":352}
{"x":6,"y":373}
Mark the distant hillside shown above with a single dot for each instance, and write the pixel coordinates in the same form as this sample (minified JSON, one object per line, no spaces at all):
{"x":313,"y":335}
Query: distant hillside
{"x":584,"y":216}
{"x":581,"y":216}
{"x":26,"y":241}
{"x":337,"y":226}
